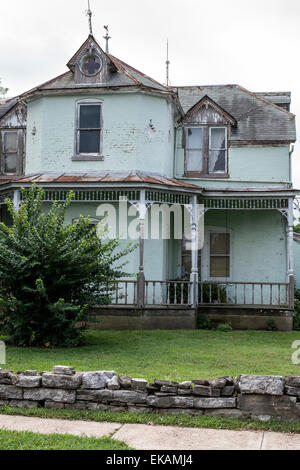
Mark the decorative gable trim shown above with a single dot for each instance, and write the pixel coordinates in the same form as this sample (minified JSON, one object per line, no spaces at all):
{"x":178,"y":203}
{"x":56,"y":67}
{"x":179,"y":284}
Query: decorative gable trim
{"x":14,"y":117}
{"x":106,"y":66}
{"x":218,"y":116}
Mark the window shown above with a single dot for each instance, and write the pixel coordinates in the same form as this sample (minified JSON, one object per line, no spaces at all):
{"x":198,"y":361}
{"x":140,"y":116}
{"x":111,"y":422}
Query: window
{"x":88,"y":134}
{"x":217,"y":149}
{"x":206,"y":151}
{"x":11,"y":152}
{"x":219,"y":255}
{"x":194,"y":149}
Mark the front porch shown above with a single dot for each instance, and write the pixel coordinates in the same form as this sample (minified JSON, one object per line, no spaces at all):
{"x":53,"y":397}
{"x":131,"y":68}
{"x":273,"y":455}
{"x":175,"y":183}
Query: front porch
{"x":244,"y":265}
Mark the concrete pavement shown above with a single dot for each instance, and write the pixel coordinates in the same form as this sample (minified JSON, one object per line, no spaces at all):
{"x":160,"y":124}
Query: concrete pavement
{"x":146,"y":437}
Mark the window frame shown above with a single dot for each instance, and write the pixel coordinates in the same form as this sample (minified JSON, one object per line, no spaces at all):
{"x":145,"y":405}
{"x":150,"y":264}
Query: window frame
{"x":208,"y":254}
{"x":19,"y":152}
{"x":88,"y":156}
{"x":206,"y":139}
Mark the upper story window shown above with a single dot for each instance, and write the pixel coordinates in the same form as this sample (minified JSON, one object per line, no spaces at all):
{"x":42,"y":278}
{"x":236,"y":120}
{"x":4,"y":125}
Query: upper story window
{"x":11,"y":152}
{"x":89,"y":131}
{"x":206,"y":151}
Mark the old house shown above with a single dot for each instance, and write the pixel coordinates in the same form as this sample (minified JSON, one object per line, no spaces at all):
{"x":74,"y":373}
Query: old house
{"x":109,"y":132}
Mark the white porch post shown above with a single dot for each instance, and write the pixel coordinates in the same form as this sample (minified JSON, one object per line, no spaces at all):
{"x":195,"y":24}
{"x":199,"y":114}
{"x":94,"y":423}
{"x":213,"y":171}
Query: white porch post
{"x":195,"y":243}
{"x":290,"y":251}
{"x":17,"y":198}
{"x":141,"y":275}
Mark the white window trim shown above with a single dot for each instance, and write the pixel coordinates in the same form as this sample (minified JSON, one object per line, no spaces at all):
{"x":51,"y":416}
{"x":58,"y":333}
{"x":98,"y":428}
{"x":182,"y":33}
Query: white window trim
{"x":205,"y":260}
{"x":87,"y":102}
{"x":212,"y":149}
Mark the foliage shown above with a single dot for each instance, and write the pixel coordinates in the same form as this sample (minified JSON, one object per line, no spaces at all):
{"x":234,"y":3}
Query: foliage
{"x":213,"y":293}
{"x":297,"y":226}
{"x":297,"y":313}
{"x":224,"y":327}
{"x":208,"y":293}
{"x":15,"y":440}
{"x":204,"y":421}
{"x":203,"y":323}
{"x":3,"y":90}
{"x":271,"y":325}
{"x":50,"y":271}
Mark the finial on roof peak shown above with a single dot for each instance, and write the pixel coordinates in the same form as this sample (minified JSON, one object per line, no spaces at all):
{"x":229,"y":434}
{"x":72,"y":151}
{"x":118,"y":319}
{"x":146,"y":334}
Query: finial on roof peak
{"x":107,"y":37}
{"x":168,"y":65}
{"x":89,"y":13}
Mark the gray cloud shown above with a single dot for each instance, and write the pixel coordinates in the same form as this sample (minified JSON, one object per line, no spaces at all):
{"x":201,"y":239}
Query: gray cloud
{"x":251,"y":42}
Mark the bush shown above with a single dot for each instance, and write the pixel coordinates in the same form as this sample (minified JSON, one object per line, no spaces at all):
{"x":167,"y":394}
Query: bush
{"x":271,"y":325}
{"x":297,"y":315}
{"x":203,"y":323}
{"x":50,"y":271}
{"x":213,"y":293}
{"x":225,"y":327}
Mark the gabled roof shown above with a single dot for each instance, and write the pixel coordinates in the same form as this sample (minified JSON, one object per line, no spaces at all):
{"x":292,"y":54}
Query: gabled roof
{"x":207,"y":101}
{"x":258,"y":119}
{"x":7,"y":106}
{"x":123,"y":75}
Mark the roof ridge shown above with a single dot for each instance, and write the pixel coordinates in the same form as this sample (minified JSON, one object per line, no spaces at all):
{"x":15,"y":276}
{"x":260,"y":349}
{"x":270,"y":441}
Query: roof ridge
{"x":141,"y":73}
{"x":45,"y":83}
{"x":120,"y":66}
{"x":264,"y":100}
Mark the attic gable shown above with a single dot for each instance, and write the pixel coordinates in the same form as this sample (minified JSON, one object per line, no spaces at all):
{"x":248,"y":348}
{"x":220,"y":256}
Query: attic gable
{"x":90,"y":64}
{"x":207,"y":111}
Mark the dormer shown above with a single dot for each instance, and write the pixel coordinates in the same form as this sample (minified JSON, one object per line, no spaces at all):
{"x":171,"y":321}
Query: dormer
{"x":206,"y":130}
{"x":91,"y":65}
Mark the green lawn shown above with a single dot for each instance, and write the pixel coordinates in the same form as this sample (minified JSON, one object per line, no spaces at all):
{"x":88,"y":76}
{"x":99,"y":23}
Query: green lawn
{"x":177,"y":355}
{"x":207,"y":422}
{"x":13,"y":440}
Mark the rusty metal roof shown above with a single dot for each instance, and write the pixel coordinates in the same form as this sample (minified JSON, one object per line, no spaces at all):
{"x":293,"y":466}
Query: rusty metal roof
{"x":105,"y":178}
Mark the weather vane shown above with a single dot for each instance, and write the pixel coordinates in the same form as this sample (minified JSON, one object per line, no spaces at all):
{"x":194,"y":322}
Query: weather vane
{"x":89,"y":13}
{"x":107,"y":37}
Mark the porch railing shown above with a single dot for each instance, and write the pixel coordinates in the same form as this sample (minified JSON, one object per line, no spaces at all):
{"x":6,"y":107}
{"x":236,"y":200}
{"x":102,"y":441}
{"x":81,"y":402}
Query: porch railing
{"x":124,"y":292}
{"x":216,"y":294}
{"x":254,"y":294}
{"x":168,"y":293}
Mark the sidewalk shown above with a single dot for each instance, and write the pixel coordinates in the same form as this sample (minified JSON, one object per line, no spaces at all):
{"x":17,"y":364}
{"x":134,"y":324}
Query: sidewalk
{"x":144,"y":437}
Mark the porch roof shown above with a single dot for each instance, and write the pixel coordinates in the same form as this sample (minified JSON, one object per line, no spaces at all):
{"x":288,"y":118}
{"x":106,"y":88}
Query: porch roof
{"x":250,"y":192}
{"x":107,"y":179}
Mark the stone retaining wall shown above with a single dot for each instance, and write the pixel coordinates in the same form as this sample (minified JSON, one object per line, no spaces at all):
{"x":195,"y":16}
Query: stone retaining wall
{"x":64,"y":388}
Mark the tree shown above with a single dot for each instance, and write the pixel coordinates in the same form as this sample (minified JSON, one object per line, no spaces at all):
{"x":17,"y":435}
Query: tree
{"x":51,"y":271}
{"x":3,"y":91}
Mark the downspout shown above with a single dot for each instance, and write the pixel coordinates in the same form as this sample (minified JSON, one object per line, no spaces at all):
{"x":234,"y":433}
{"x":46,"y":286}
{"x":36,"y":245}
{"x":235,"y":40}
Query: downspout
{"x":290,"y":165}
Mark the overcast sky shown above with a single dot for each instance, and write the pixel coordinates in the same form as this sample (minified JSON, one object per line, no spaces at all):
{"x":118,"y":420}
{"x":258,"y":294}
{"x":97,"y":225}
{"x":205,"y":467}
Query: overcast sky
{"x":254,"y":43}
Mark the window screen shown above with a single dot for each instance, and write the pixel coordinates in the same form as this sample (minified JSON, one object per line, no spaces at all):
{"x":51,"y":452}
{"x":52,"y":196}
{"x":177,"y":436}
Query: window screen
{"x":220,"y":255}
{"x":217,"y":150}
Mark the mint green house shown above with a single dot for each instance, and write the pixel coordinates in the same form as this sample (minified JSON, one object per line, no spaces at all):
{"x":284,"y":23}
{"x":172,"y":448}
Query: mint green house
{"x":221,"y":154}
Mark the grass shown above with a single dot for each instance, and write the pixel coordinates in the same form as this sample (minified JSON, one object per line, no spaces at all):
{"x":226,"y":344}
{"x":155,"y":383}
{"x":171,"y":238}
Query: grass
{"x":176,"y":355}
{"x":208,"y":422}
{"x":14,"y":440}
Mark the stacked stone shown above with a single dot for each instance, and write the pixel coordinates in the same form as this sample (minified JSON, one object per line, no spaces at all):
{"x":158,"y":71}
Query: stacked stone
{"x":64,"y":388}
{"x":265,"y":397}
